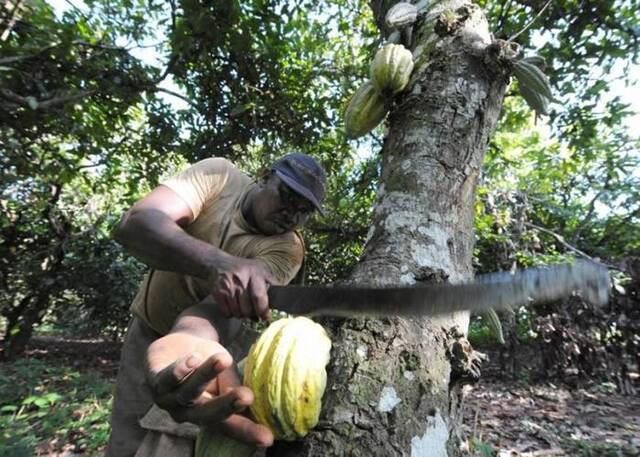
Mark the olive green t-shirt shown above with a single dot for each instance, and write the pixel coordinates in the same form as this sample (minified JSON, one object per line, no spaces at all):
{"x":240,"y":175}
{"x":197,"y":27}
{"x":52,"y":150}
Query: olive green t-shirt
{"x":213,"y":189}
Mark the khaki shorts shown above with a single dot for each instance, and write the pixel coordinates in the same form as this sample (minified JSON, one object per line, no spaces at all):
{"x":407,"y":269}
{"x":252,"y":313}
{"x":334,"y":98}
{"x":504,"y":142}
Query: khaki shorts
{"x":138,"y":427}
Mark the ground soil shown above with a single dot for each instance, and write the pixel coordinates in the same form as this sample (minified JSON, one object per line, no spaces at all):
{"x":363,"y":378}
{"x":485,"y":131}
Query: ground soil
{"x":505,"y":418}
{"x":550,"y":419}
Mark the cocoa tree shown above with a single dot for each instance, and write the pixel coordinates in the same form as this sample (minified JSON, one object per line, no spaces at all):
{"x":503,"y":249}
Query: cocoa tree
{"x":395,"y":384}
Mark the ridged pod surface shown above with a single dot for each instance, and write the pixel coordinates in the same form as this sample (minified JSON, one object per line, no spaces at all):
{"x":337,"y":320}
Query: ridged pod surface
{"x":366,"y":109}
{"x":532,"y":77}
{"x":494,"y":324}
{"x":285,"y":368}
{"x":400,"y":15}
{"x":391,"y":68}
{"x":536,"y":101}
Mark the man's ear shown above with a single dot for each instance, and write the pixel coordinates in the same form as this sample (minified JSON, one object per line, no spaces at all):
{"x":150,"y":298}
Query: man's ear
{"x":263,"y":175}
{"x":268,"y":176}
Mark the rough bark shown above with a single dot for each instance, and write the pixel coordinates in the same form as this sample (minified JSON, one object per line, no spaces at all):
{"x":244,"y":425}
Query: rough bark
{"x":394,"y":385}
{"x":32,"y":309}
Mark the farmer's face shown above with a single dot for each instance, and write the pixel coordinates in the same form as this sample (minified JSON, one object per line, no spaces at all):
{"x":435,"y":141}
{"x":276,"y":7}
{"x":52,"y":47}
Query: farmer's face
{"x":278,"y":209}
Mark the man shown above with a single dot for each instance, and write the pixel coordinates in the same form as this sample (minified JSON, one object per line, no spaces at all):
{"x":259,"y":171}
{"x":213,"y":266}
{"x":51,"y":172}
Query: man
{"x":215,"y":241}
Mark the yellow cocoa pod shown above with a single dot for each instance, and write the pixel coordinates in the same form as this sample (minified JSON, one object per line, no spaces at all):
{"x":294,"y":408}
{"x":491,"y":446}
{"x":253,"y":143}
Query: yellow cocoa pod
{"x":366,"y":109}
{"x":285,"y":368}
{"x":391,"y":68}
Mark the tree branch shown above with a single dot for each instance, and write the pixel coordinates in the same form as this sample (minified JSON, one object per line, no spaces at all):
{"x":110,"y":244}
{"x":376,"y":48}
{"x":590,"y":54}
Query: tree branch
{"x":46,"y":104}
{"x":505,"y":7}
{"x":585,"y":220}
{"x":343,"y":232}
{"x":13,"y":59}
{"x":165,"y":73}
{"x":99,"y":46}
{"x":13,"y":18}
{"x":175,"y":94}
{"x":560,"y":238}
{"x":517,"y":34}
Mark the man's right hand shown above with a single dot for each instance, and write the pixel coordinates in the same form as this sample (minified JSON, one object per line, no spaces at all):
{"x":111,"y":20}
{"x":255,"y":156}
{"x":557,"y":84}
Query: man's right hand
{"x":193,"y":379}
{"x":241,"y":288}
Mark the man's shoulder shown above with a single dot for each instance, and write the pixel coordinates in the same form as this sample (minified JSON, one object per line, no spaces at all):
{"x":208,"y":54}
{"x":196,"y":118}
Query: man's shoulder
{"x":218,"y":164}
{"x":292,"y":240}
{"x":233,"y":178}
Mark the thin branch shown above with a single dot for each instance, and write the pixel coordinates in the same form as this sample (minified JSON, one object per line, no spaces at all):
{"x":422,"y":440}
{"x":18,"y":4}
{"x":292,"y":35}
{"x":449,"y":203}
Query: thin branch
{"x":145,"y":46}
{"x":12,"y":59}
{"x":165,"y":73}
{"x":66,"y":99}
{"x":505,"y":7}
{"x":175,"y":94}
{"x":14,"y":16}
{"x":46,"y":104}
{"x":560,"y":238}
{"x":99,"y":46}
{"x":342,"y":231}
{"x":530,"y":22}
{"x":610,"y":232}
{"x":592,"y":208}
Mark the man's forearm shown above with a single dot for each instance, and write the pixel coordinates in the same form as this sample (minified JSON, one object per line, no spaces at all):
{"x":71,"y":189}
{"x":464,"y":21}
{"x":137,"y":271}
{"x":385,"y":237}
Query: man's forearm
{"x":152,"y":237}
{"x":198,"y":320}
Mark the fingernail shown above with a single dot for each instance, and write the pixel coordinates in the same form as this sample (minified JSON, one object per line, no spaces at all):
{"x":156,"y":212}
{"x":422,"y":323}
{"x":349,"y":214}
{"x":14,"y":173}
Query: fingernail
{"x":193,"y":361}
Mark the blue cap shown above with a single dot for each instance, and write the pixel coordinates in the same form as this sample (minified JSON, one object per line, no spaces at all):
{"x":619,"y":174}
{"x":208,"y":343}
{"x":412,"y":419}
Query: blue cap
{"x":303,"y":175}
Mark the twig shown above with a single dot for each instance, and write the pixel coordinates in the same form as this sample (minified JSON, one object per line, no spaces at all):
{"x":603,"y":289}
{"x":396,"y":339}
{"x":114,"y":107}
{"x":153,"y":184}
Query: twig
{"x":165,"y":73}
{"x":175,"y":94}
{"x":592,"y":207}
{"x":504,"y":10}
{"x":560,"y":238}
{"x":13,"y":18}
{"x":513,"y":37}
{"x":46,"y":104}
{"x":12,"y":59}
{"x":99,"y":46}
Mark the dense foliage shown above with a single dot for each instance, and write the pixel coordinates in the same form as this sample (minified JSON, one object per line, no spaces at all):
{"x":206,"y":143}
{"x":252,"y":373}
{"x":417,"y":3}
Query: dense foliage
{"x":86,"y":128}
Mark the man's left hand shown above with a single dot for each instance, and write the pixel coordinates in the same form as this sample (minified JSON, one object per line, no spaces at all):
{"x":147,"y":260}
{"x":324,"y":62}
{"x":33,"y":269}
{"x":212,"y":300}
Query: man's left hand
{"x":193,"y":379}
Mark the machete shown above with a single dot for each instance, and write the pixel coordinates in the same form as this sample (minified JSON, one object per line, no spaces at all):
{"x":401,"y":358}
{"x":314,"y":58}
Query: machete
{"x":495,"y":290}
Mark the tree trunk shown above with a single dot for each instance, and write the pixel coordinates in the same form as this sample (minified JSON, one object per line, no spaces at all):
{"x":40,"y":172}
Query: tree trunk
{"x":394,"y":385}
{"x":29,"y":313}
{"x":16,"y":343}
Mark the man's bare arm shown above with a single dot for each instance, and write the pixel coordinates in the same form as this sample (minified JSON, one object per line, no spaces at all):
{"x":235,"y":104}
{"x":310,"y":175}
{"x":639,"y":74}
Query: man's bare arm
{"x":153,"y":231}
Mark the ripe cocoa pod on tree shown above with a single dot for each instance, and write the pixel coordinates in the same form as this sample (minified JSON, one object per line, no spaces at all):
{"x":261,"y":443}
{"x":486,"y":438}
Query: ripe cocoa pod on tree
{"x":391,"y":69}
{"x":366,"y":109}
{"x":285,"y":369}
{"x":401,"y":15}
{"x":533,"y":83}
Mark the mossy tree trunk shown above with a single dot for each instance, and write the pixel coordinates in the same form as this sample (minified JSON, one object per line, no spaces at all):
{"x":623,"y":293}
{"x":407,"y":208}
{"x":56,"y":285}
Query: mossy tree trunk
{"x":394,"y":385}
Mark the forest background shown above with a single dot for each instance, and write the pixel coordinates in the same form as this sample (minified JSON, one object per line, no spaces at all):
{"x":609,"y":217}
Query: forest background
{"x":100,"y":100}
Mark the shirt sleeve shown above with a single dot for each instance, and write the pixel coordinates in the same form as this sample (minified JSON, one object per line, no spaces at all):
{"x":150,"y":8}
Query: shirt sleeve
{"x":201,"y":183}
{"x":284,"y":257}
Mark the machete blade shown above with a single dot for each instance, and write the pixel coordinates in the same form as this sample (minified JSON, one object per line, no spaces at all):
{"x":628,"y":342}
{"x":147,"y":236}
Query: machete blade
{"x":494,"y":290}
